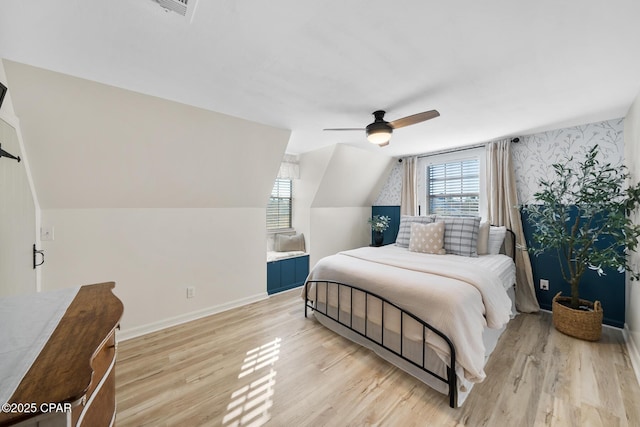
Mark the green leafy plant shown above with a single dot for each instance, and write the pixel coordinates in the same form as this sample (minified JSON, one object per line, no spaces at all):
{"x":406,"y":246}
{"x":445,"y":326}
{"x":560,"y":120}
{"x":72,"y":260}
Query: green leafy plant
{"x":379,"y":222}
{"x":601,"y":233}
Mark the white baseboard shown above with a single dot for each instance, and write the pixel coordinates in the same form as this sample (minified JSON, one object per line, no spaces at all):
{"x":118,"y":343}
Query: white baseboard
{"x":633,"y":349}
{"x":127,"y":334}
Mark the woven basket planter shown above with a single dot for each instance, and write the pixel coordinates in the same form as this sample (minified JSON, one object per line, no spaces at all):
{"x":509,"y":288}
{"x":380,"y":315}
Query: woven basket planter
{"x":585,"y":325}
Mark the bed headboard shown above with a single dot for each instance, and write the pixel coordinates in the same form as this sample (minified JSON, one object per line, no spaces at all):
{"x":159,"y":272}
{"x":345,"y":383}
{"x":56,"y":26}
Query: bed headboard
{"x":509,"y":245}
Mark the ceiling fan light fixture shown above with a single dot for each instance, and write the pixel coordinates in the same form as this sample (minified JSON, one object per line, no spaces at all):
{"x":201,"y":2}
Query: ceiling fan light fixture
{"x":379,"y":137}
{"x":379,"y":132}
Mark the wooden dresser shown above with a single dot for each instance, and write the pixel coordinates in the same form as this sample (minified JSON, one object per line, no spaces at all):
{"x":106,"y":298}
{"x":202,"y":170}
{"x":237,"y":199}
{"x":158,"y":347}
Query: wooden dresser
{"x":72,"y":381}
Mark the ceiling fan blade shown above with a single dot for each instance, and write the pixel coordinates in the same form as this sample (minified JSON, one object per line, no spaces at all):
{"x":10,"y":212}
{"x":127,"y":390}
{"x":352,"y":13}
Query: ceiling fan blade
{"x":412,"y":120}
{"x":360,"y":129}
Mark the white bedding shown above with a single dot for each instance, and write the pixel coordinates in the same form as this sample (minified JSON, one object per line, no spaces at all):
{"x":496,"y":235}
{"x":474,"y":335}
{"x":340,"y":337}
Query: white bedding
{"x":500,"y":264}
{"x":458,"y":295}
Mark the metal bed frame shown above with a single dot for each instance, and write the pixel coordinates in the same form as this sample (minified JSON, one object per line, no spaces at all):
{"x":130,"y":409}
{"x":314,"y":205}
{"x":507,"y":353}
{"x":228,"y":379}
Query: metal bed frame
{"x":451,"y":378}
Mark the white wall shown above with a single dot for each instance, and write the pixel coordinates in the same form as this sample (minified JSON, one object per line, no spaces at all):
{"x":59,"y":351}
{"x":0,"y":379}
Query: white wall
{"x":149,"y":193}
{"x":334,"y":195}
{"x":154,"y":254}
{"x":18,"y":208}
{"x":97,"y":146}
{"x":632,"y":156}
{"x":337,"y":229}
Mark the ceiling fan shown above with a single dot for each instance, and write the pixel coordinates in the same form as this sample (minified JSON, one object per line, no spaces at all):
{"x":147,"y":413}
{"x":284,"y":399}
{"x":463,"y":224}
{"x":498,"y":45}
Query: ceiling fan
{"x":379,"y":132}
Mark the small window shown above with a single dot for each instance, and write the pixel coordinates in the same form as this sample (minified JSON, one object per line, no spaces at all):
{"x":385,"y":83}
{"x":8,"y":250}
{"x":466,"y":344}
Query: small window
{"x":279,"y":207}
{"x":453,"y":188}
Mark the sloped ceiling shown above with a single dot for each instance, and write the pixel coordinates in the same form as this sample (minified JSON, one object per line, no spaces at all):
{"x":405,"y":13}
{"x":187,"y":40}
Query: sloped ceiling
{"x":95,"y":146}
{"x":342,"y":176}
{"x":352,"y":178}
{"x":492,"y":68}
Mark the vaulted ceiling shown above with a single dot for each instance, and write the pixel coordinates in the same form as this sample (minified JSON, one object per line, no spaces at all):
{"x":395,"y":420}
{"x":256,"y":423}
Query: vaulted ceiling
{"x":492,"y":68}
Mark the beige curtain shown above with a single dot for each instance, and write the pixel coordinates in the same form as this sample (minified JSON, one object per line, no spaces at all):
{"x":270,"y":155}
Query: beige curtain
{"x":409,"y":197}
{"x":503,"y":209}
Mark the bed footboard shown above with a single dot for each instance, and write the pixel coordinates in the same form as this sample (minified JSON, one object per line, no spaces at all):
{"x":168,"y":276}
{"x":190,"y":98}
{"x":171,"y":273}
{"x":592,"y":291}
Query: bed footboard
{"x":381,"y":322}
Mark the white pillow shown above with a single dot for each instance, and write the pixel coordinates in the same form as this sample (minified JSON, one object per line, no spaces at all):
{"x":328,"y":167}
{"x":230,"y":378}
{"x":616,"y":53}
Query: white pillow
{"x":427,"y":238}
{"x":496,"y":238}
{"x":483,"y":238}
{"x":285,"y":243}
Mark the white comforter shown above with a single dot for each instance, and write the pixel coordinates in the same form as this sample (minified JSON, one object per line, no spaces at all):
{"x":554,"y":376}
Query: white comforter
{"x":457,"y":297}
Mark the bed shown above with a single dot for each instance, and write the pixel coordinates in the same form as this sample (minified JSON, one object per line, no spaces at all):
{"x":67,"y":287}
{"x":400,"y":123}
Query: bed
{"x":437,"y":317}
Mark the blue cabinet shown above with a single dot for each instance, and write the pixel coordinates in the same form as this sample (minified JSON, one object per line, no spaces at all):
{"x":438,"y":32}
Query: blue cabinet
{"x":287,"y":273}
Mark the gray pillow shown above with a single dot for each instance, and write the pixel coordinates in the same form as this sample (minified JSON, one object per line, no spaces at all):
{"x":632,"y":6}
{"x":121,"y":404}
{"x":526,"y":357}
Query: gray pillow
{"x":404,"y":232}
{"x":461,"y":234}
{"x":286,"y":243}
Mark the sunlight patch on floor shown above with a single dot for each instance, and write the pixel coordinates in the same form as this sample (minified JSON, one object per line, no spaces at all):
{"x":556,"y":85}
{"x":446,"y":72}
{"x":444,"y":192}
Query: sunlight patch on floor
{"x":250,"y":403}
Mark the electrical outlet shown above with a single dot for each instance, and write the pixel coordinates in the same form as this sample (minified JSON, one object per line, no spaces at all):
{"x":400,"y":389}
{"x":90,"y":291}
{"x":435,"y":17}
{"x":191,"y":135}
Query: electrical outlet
{"x":544,"y":284}
{"x":191,"y":292}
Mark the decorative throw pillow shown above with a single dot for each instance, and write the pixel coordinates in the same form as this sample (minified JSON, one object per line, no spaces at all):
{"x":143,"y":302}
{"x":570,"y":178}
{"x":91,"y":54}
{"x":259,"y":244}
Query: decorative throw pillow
{"x":496,"y":238}
{"x":286,"y":243}
{"x":427,"y":238}
{"x":461,"y":234}
{"x":483,"y":238}
{"x":404,"y":232}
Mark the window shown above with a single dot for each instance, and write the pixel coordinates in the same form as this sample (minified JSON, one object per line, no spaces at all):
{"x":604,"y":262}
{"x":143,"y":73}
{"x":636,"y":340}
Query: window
{"x":453,"y":188}
{"x":279,"y":207}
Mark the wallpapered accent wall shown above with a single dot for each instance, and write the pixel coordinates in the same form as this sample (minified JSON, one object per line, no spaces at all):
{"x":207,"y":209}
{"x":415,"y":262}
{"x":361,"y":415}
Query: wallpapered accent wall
{"x":391,"y":190}
{"x":534,"y":155}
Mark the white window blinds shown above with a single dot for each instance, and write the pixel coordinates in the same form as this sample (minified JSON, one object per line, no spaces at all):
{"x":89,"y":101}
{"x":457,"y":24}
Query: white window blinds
{"x":454,"y":188}
{"x":279,"y":207}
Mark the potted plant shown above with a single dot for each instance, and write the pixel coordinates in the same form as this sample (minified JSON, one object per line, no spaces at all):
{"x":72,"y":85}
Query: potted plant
{"x":379,"y":223}
{"x":583,"y":213}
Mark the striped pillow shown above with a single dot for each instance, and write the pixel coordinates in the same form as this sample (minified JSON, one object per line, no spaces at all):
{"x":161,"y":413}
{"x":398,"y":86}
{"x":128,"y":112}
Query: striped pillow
{"x":461,"y":234}
{"x":404,"y":232}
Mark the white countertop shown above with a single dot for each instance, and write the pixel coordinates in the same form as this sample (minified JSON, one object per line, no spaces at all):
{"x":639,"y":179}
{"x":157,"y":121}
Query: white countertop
{"x":26,"y":323}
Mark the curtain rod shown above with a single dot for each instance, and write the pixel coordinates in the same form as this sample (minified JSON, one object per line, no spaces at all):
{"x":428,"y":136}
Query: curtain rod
{"x":455,"y":150}
{"x":451,"y":150}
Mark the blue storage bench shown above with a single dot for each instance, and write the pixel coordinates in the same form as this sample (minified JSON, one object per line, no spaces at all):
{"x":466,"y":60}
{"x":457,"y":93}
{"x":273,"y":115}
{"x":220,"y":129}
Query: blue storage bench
{"x":287,"y":273}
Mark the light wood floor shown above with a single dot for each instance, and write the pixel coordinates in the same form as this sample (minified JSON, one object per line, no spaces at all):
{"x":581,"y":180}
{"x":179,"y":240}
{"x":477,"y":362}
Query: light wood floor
{"x":266,"y":364}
